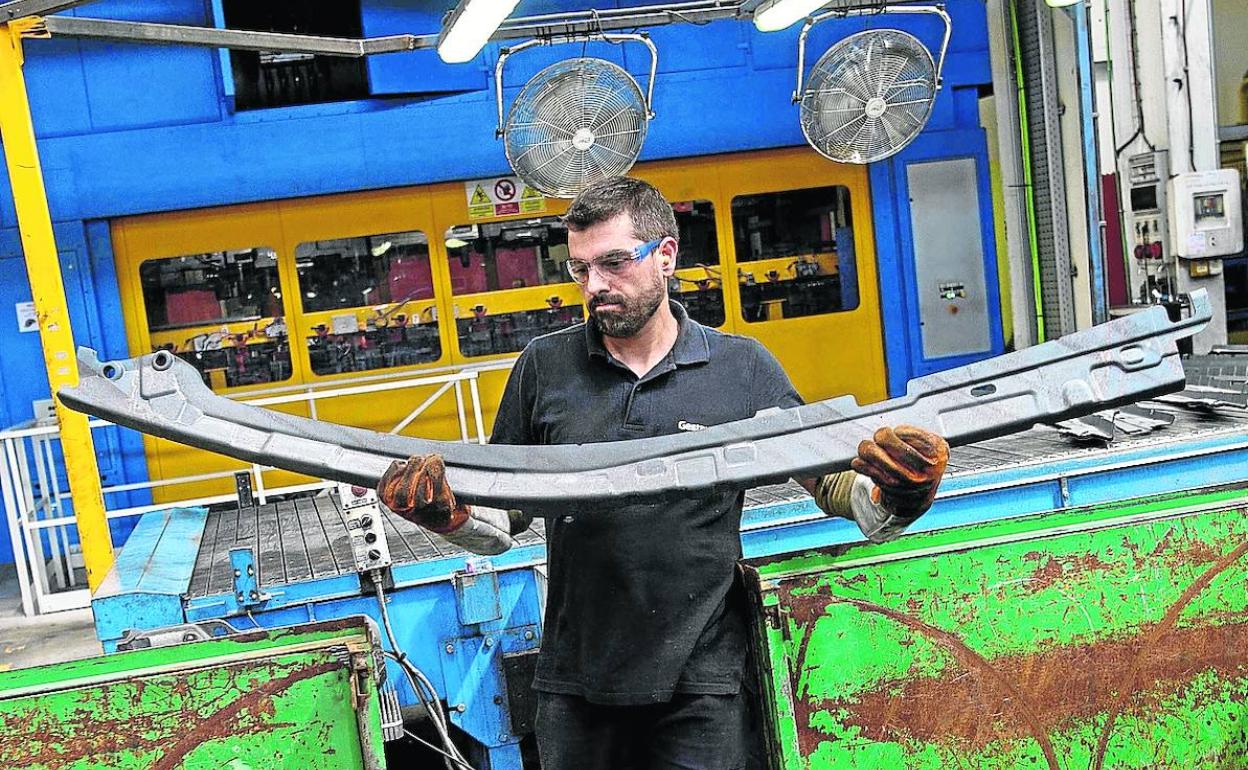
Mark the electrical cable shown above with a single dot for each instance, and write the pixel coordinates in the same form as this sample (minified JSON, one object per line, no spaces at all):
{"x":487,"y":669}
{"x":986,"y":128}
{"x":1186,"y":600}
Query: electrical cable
{"x":421,"y":686}
{"x":1135,"y":87}
{"x":1187,"y":84}
{"x":427,"y":744}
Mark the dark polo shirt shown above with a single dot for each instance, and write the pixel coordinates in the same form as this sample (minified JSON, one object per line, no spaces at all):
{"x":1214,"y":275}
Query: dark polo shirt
{"x":642,"y":599}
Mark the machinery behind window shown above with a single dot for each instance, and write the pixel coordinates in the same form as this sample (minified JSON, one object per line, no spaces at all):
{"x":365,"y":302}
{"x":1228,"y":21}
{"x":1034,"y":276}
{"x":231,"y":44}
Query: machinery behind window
{"x":493,"y":268}
{"x":222,"y":312}
{"x":369,"y":302}
{"x":795,"y":252}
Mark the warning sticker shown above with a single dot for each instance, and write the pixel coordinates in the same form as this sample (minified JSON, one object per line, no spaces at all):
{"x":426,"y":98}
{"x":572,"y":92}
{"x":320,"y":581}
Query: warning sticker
{"x":501,"y":196}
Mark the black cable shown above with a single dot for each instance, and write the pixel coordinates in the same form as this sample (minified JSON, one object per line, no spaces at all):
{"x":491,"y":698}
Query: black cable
{"x":421,"y":686}
{"x":1187,"y":84}
{"x":1135,"y":87}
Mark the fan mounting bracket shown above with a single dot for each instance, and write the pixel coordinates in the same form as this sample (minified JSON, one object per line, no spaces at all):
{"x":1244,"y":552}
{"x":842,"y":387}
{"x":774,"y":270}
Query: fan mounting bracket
{"x":560,"y":39}
{"x":841,"y":13}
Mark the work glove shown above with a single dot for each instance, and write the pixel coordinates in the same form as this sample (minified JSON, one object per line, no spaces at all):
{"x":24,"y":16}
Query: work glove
{"x":906,"y":464}
{"x":417,"y":490}
{"x":894,"y":480}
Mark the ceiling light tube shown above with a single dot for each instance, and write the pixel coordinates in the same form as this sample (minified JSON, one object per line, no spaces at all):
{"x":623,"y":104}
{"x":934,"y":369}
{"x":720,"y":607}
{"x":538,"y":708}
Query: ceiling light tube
{"x":775,"y":15}
{"x":468,"y":28}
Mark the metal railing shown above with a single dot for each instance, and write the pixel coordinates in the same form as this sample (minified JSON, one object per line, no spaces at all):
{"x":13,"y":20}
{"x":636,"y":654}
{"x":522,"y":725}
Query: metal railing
{"x":42,"y":528}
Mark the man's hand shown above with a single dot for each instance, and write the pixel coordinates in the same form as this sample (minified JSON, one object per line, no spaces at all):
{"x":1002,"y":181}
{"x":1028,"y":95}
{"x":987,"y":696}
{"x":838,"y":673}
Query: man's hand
{"x":417,"y":490}
{"x":906,"y":465}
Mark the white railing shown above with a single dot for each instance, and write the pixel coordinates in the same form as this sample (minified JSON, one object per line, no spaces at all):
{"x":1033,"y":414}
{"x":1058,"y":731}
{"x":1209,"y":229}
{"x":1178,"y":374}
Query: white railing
{"x":41,"y":527}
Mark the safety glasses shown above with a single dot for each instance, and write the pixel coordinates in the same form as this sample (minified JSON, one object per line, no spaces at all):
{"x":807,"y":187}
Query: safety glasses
{"x":611,"y":264}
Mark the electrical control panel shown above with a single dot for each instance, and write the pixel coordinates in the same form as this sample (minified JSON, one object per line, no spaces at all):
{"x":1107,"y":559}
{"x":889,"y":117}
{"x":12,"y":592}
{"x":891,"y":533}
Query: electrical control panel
{"x":363,"y":517}
{"x":1147,"y":228}
{"x":1206,"y":217}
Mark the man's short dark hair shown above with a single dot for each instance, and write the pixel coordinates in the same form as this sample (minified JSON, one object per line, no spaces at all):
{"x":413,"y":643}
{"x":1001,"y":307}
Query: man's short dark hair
{"x":607,"y":198}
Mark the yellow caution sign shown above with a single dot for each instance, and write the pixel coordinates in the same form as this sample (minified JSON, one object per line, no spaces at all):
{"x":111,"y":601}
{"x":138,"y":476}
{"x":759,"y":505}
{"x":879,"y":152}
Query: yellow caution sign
{"x":479,"y":197}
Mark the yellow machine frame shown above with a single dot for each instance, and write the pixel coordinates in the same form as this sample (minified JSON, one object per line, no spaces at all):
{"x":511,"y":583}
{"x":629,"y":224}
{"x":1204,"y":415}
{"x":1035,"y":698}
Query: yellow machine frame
{"x":825,"y":355}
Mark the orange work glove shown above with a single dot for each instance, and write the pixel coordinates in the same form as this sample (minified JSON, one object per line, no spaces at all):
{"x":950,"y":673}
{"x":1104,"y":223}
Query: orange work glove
{"x":417,"y":490}
{"x":906,"y":465}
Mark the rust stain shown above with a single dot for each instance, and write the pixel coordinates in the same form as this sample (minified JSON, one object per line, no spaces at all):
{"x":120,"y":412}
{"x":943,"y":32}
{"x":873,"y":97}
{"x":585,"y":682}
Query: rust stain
{"x":1011,"y":697}
{"x":222,"y":723}
{"x":87,"y":732}
{"x":1071,"y":682}
{"x":1053,"y":569}
{"x":1151,"y":642}
{"x":1068,"y":682}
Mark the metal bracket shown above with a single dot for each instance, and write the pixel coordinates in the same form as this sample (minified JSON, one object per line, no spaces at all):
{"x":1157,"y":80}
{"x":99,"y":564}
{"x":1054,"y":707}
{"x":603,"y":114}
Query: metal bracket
{"x":1117,"y":363}
{"x":179,"y":634}
{"x":505,"y":53}
{"x":476,"y":593}
{"x":842,"y":13}
{"x":247,"y":591}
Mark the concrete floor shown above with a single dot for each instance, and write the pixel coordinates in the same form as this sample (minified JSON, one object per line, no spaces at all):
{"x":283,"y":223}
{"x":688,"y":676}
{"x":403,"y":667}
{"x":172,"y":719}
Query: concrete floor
{"x":53,"y":638}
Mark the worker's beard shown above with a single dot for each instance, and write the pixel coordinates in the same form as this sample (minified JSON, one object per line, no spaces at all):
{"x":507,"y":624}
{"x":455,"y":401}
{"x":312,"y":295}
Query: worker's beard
{"x":630,"y":315}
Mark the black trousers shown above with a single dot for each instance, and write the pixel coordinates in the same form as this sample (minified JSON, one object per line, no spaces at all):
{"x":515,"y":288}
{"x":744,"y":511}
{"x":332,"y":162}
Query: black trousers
{"x":689,"y":732}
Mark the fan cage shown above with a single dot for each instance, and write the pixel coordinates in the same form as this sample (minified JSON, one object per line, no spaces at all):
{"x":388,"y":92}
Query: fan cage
{"x":868,"y":96}
{"x":575,"y":122}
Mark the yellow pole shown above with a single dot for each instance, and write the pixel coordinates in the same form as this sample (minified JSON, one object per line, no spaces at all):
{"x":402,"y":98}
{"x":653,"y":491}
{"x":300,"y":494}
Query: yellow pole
{"x":44,"y":270}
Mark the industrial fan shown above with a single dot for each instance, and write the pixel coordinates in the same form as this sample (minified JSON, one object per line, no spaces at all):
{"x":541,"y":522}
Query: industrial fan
{"x":576,"y":121}
{"x":870,"y":94}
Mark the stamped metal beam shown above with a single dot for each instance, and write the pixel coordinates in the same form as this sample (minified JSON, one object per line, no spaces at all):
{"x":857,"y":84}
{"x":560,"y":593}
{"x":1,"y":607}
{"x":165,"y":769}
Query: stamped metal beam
{"x":1113,"y":364}
{"x":20,"y":9}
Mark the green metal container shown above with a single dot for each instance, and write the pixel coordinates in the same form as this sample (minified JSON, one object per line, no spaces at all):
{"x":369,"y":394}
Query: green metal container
{"x":1108,"y":637}
{"x":303,"y":697}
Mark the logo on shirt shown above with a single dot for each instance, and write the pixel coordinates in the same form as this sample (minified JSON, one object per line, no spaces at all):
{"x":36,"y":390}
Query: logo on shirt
{"x":685,"y":425}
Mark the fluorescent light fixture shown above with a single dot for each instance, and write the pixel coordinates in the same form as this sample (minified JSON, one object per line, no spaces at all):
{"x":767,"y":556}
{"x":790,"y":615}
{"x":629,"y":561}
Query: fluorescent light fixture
{"x":1062,"y":3}
{"x":468,"y":28}
{"x":456,"y":243}
{"x":775,"y":15}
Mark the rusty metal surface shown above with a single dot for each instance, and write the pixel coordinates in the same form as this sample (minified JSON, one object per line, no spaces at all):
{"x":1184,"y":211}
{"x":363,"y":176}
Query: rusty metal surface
{"x":1101,"y":638}
{"x":300,"y":697}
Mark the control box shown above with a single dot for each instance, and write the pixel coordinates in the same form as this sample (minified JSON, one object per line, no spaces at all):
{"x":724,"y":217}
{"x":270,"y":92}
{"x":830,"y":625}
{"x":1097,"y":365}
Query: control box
{"x":1147,"y":231}
{"x":1206,"y":219}
{"x":363,"y":518}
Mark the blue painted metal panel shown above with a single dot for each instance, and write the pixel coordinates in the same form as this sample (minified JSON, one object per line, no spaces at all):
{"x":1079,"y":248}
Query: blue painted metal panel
{"x":1091,"y":170}
{"x":153,"y":570}
{"x":90,"y":279}
{"x":416,"y":71}
{"x":234,"y":158}
{"x":894,"y":239}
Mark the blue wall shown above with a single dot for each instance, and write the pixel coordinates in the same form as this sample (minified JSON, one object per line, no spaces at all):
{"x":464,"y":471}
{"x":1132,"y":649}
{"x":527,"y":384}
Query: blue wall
{"x":129,"y":129}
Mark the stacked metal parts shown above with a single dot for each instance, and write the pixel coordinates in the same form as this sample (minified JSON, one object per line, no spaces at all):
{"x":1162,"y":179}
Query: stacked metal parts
{"x":1215,"y":383}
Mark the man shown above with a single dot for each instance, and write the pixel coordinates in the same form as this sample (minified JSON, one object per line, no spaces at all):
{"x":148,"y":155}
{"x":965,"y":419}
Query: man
{"x":645,"y":637}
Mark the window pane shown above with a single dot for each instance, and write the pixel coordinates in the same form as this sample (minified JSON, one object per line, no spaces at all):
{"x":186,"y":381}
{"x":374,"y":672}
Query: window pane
{"x":221,"y":311}
{"x":795,"y":253}
{"x":364,"y":272}
{"x":507,"y":255}
{"x":281,"y":78}
{"x":498,"y":256}
{"x":698,"y":284}
{"x":389,"y":278}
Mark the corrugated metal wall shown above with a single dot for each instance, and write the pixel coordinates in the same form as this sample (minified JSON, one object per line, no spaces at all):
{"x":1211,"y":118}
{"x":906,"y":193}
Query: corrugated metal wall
{"x":1036,"y":56}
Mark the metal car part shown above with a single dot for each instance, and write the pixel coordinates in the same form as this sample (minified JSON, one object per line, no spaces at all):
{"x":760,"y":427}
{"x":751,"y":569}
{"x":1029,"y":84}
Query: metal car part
{"x":1113,"y":364}
{"x":179,"y":634}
